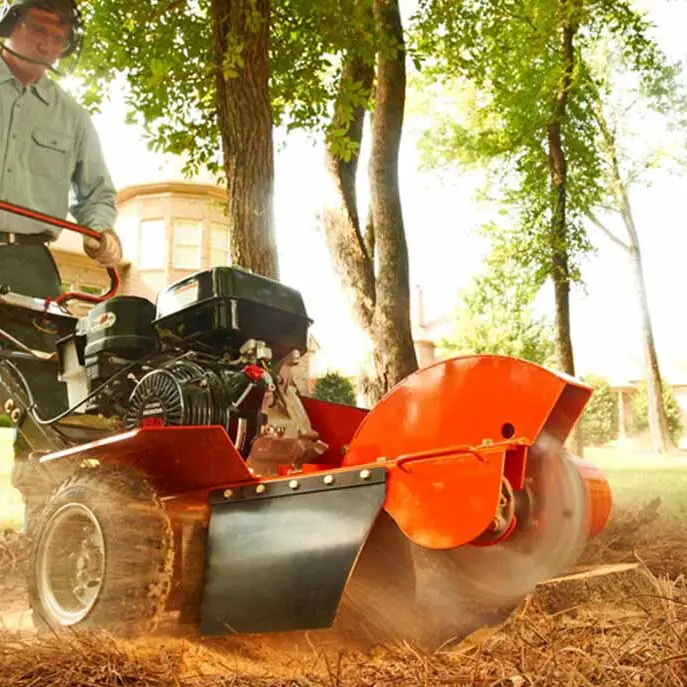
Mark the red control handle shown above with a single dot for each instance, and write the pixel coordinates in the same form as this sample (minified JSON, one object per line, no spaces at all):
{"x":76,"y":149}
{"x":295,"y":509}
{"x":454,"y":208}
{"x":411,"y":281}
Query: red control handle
{"x":65,"y":224}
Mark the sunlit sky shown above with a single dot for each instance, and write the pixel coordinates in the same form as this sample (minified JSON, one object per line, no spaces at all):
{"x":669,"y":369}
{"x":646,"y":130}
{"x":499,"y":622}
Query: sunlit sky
{"x":441,"y":218}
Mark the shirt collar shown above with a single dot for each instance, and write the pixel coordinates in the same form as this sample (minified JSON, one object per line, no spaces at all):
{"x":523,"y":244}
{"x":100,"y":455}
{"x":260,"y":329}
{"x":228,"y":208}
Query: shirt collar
{"x":5,"y":73}
{"x":44,"y":88}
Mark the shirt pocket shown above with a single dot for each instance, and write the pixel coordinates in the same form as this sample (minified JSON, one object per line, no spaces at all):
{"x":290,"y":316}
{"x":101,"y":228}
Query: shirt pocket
{"x":50,"y":152}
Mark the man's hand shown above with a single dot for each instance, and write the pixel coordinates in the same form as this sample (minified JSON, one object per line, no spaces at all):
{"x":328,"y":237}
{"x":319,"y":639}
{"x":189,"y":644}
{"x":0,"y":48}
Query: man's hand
{"x":107,"y":250}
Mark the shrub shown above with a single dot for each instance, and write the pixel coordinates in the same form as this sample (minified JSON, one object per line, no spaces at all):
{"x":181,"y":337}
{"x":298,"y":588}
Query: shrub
{"x":336,"y":388}
{"x":673,"y":412}
{"x":599,"y":422}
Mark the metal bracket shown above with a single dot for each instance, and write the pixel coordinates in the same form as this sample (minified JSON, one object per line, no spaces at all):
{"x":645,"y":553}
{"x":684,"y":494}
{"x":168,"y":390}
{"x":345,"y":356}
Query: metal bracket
{"x":300,"y":483}
{"x":280,"y":552}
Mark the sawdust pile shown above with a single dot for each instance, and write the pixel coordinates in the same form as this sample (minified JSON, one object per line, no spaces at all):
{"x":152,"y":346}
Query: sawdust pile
{"x":624,"y":629}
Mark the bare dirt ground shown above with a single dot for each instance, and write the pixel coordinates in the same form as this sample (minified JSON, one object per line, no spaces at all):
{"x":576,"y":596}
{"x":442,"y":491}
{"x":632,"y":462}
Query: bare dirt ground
{"x":627,"y":628}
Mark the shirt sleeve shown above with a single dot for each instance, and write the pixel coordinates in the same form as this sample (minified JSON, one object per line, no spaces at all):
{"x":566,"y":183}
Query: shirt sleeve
{"x":94,"y":193}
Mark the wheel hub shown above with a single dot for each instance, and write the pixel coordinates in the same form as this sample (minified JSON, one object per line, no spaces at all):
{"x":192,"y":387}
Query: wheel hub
{"x":504,"y":521}
{"x":70,"y":564}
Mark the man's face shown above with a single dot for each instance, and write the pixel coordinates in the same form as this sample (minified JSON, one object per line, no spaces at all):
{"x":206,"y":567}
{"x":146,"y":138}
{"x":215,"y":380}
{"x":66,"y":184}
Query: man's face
{"x":41,"y":36}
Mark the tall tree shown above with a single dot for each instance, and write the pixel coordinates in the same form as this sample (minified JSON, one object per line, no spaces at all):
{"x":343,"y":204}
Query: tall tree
{"x":530,"y":66}
{"x":658,"y":425}
{"x":654,"y":95}
{"x":394,"y":351}
{"x":527,"y":115}
{"x":373,"y":261}
{"x":568,"y":11}
{"x":197,"y":76}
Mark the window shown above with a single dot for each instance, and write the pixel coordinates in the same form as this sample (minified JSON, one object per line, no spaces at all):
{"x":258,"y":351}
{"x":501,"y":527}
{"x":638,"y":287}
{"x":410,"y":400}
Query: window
{"x":127,"y":230}
{"x":219,"y":245}
{"x":187,"y":243}
{"x":91,"y":290}
{"x":153,"y":244}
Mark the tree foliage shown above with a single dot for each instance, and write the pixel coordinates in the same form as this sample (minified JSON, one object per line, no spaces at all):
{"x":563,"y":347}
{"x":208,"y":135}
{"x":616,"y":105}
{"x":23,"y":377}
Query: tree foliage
{"x":630,"y":102}
{"x":335,"y":388}
{"x":510,"y":58}
{"x":164,"y":49}
{"x":496,"y":316}
{"x":505,"y":58}
{"x":599,"y":422}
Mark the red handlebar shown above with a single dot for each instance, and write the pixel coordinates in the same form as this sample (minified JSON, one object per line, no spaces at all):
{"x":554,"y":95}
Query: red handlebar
{"x":114,"y":287}
{"x":65,"y":224}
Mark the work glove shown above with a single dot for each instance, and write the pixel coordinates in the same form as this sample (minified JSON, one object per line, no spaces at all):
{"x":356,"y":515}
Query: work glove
{"x":106,"y":251}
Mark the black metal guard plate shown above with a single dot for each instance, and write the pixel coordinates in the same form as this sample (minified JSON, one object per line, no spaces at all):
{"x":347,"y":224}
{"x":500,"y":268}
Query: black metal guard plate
{"x":279,"y":559}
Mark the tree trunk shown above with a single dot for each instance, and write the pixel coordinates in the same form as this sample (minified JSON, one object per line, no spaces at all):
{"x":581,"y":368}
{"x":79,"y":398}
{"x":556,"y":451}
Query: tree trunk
{"x":245,"y":120}
{"x":381,"y":298}
{"x":343,"y":233}
{"x":658,"y":423}
{"x":394,"y":352}
{"x":559,"y":228}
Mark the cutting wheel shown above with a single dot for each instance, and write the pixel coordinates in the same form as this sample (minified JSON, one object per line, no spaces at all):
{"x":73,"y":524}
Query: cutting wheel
{"x":473,"y":586}
{"x":378,"y":605}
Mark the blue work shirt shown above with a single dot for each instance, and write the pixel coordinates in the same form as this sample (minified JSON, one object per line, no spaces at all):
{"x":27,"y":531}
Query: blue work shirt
{"x":49,"y":148}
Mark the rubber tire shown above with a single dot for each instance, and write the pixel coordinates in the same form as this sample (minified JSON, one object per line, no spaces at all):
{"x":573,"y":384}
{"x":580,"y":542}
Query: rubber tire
{"x":139,"y":550}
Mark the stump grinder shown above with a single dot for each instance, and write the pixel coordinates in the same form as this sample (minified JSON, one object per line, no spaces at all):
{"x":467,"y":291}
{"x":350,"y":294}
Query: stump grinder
{"x":173,"y":468}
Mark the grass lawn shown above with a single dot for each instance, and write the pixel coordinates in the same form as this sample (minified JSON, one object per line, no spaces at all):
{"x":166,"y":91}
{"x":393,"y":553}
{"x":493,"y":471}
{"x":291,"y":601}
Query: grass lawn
{"x":638,"y":477}
{"x":12,"y":513}
{"x":11,"y":505}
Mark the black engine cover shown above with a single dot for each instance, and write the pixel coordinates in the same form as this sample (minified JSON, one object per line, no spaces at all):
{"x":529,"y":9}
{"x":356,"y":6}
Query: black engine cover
{"x":121,"y":326}
{"x":223,"y":307}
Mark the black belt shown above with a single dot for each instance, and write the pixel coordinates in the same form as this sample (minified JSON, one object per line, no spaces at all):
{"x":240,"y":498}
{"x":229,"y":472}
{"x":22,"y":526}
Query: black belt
{"x":8,"y":238}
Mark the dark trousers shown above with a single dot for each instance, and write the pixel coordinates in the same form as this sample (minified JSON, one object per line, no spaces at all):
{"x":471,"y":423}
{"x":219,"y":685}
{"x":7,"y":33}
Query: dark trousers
{"x":31,"y":271}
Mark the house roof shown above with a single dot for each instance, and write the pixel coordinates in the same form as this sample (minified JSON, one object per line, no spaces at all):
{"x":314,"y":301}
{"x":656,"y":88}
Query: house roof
{"x":673,"y":372}
{"x":188,"y":188}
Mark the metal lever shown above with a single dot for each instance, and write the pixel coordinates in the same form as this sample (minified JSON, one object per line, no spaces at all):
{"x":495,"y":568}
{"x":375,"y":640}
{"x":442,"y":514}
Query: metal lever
{"x":79,"y":229}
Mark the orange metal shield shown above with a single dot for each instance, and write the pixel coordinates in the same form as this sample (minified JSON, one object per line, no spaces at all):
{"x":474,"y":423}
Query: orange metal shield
{"x":489,"y":409}
{"x":445,"y":501}
{"x":173,"y":459}
{"x":465,"y":401}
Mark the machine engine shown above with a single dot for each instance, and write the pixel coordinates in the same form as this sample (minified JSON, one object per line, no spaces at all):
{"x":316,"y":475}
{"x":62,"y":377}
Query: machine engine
{"x":218,"y":348}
